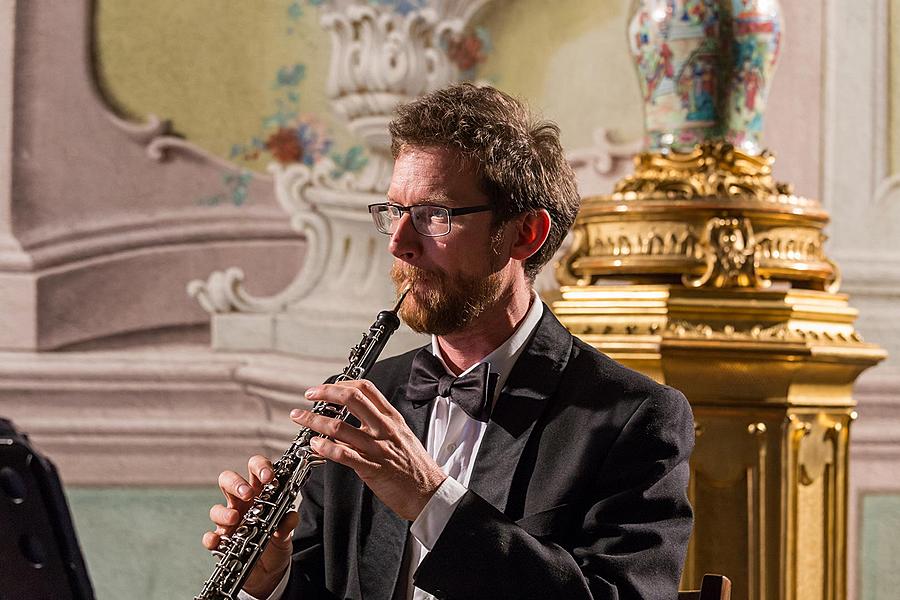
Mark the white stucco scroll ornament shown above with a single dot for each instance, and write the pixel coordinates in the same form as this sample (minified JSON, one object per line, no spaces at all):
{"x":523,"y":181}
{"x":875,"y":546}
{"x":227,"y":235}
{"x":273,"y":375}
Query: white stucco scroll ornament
{"x":384,"y":53}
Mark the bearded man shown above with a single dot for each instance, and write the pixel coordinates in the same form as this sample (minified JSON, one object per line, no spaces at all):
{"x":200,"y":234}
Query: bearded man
{"x":563,"y":475}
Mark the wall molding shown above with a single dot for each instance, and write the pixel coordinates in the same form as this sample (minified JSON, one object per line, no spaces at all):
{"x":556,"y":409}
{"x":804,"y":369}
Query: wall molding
{"x":53,"y":246}
{"x":170,"y":415}
{"x":886,"y":189}
{"x":599,"y":166}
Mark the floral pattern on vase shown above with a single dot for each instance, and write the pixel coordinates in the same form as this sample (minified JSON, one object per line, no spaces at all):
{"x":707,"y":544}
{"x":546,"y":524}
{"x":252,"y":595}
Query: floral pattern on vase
{"x":704,"y":68}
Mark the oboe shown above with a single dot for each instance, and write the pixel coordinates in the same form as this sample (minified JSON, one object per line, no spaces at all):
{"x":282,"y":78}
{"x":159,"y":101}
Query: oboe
{"x":237,"y":553}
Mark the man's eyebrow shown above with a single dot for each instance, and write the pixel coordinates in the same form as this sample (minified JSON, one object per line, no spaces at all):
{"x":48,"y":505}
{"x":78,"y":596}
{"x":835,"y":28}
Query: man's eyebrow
{"x":436,"y":198}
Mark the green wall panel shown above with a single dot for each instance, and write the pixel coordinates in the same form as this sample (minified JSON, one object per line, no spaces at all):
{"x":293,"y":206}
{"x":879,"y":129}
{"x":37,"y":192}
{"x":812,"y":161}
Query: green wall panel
{"x":880,"y":546}
{"x":144,"y":543}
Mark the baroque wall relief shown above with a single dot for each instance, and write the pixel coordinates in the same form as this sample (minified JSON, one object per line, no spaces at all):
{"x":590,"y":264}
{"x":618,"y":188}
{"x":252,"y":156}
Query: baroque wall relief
{"x":104,"y":225}
{"x":381,"y":53}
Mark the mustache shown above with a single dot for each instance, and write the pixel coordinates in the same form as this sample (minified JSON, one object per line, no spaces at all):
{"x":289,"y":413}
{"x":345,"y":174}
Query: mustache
{"x":404,"y":273}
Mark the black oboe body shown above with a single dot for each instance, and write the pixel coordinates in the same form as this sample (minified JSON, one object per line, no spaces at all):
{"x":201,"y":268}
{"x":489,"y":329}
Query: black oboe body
{"x":237,"y":553}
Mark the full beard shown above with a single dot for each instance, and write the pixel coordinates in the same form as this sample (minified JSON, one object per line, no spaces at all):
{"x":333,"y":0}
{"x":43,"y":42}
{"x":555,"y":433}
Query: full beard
{"x":442,"y":304}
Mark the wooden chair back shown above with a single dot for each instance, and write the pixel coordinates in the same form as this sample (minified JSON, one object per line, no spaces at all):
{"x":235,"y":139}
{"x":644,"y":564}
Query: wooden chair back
{"x":713,"y":587}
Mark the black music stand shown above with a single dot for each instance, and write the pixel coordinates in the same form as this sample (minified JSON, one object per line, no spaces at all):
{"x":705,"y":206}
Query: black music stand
{"x":39,"y":552}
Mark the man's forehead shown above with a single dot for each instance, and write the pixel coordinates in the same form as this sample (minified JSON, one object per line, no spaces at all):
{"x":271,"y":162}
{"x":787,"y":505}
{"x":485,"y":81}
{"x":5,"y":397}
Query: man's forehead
{"x":450,"y":158}
{"x":431,"y":174}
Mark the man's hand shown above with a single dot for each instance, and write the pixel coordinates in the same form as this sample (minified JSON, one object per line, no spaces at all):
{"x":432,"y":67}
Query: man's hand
{"x":239,"y":494}
{"x":383,"y":450}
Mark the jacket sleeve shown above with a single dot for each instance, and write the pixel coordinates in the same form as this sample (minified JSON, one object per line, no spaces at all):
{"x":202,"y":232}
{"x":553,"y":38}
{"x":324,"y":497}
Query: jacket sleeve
{"x":628,"y":539}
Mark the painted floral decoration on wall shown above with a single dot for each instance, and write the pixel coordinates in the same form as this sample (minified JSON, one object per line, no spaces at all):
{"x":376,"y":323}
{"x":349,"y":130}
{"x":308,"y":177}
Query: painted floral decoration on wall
{"x":468,"y":50}
{"x":289,"y":135}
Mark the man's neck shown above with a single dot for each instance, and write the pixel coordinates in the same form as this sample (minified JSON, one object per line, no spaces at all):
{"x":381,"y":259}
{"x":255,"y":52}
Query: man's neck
{"x":486,"y":333}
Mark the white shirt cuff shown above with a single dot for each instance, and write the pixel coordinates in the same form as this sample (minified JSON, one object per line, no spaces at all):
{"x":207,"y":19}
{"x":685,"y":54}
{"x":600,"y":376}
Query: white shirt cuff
{"x":276,"y":593}
{"x":429,"y":525}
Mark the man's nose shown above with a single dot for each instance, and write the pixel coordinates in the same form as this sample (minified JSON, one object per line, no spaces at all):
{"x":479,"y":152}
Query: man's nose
{"x":406,"y":243}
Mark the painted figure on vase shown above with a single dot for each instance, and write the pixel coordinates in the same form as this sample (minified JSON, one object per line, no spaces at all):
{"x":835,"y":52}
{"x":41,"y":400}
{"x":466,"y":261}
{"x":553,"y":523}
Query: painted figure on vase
{"x":704,"y":68}
{"x":675,"y":46}
{"x":755,"y":47}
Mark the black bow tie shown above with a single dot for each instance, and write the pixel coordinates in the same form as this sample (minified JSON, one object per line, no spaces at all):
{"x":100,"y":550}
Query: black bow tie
{"x":473,"y":391}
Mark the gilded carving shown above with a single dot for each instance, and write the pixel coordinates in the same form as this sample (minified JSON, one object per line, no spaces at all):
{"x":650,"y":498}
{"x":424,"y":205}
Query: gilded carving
{"x":686,"y":330}
{"x":792,"y":243}
{"x":729,"y":249}
{"x":664,"y":239}
{"x":706,"y":273}
{"x":757,"y":428}
{"x":779,"y":332}
{"x":710,"y":170}
{"x":690,"y":213}
{"x":565,"y":272}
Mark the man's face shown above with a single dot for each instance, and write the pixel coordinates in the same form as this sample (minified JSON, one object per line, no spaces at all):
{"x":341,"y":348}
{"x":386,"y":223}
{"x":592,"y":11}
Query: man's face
{"x":454,"y":277}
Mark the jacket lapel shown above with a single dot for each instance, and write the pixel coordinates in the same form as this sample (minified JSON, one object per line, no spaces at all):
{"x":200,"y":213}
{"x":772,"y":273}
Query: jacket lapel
{"x":531,"y":383}
{"x":382,"y":536}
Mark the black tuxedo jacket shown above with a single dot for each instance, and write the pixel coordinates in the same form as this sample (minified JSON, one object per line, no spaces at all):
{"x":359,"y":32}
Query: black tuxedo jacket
{"x":578,"y":491}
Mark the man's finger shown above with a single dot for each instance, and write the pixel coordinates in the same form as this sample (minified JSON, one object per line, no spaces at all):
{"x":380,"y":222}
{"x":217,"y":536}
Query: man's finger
{"x":333,"y":428}
{"x":260,"y":469}
{"x":237,"y":490}
{"x":342,"y":454}
{"x":224,"y":516}
{"x":376,"y":398}
{"x":354,"y":398}
{"x":210,"y":540}
{"x":287,"y":526}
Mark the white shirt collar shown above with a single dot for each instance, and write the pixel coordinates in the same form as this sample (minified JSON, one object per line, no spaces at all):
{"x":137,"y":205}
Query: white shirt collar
{"x":504,"y":357}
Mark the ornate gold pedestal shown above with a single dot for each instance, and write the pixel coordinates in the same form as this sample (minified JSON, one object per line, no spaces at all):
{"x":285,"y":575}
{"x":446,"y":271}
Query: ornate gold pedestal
{"x":704,"y":274}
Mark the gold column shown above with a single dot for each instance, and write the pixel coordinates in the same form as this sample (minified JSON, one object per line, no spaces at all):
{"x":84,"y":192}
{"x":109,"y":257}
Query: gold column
{"x":704,"y":273}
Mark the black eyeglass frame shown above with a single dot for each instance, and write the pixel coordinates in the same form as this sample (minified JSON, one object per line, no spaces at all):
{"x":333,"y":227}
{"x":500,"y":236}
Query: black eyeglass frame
{"x":451,"y":212}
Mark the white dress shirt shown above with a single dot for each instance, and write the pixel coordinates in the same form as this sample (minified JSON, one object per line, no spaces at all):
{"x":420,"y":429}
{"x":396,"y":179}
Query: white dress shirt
{"x":453,"y":441}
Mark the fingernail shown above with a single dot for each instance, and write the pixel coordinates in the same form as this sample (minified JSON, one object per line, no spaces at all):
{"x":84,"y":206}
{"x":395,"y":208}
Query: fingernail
{"x":244,"y":490}
{"x":265,"y":475}
{"x":310,"y":393}
{"x":315,"y":443}
{"x":296,"y":413}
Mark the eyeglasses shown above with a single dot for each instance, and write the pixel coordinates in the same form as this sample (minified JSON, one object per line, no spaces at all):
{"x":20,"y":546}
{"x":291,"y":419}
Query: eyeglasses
{"x":431,"y":220}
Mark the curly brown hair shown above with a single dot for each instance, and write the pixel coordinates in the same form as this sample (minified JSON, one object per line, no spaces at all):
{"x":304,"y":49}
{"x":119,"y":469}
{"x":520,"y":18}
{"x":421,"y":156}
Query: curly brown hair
{"x":520,"y":161}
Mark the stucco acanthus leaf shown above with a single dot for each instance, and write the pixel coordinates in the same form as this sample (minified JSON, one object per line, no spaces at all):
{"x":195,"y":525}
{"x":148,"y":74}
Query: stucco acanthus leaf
{"x":223,"y":291}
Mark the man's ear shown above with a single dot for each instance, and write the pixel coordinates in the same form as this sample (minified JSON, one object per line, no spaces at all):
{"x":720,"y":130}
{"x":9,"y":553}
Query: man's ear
{"x":532,"y":230}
